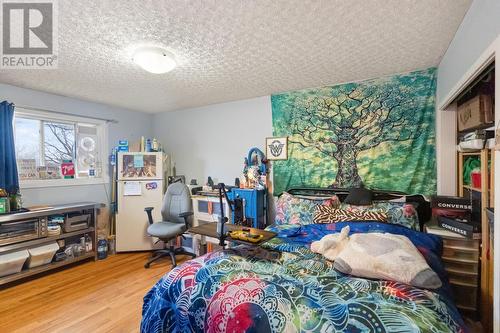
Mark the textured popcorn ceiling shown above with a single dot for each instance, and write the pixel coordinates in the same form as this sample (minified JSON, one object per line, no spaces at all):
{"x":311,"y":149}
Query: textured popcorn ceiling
{"x":231,"y":50}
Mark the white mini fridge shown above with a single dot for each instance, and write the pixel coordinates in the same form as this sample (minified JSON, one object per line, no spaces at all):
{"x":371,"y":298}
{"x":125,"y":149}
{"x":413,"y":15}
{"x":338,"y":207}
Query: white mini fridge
{"x":140,"y":185}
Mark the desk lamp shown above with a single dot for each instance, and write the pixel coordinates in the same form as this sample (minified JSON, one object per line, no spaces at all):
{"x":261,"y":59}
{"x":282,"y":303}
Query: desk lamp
{"x":223,"y":219}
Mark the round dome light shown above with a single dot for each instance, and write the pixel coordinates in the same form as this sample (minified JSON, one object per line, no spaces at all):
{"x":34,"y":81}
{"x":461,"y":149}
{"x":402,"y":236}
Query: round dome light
{"x":154,"y":59}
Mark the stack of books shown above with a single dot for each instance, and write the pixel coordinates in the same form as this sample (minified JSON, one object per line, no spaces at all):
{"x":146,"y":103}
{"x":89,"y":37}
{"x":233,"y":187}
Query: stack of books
{"x":454,"y":215}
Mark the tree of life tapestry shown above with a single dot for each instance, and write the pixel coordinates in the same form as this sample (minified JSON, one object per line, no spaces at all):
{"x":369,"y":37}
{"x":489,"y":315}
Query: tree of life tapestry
{"x":377,"y":132}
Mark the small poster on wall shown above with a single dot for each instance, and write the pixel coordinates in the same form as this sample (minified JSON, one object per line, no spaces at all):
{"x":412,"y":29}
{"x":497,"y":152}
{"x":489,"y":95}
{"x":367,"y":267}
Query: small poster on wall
{"x":277,"y":148}
{"x":68,"y":169}
{"x":138,"y":165}
{"x":27,"y":169}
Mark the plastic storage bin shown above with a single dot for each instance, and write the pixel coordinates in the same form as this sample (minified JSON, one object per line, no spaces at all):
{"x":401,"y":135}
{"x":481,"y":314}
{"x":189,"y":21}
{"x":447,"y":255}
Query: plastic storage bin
{"x":469,"y":145}
{"x":460,"y":253}
{"x":463,"y":277}
{"x":42,"y":255}
{"x":465,"y":296}
{"x":461,"y":242}
{"x":12,"y":263}
{"x":462,"y":265}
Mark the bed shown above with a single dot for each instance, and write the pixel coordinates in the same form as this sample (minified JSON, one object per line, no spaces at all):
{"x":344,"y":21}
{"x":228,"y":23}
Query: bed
{"x":283,"y":286}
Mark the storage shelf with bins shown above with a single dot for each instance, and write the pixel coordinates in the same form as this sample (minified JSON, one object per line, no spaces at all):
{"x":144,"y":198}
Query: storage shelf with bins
{"x":40,"y":269}
{"x":9,"y":246}
{"x":461,"y":262}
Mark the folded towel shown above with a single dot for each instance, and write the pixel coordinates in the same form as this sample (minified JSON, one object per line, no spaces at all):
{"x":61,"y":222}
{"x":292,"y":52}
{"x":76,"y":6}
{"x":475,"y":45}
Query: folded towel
{"x":331,"y":245}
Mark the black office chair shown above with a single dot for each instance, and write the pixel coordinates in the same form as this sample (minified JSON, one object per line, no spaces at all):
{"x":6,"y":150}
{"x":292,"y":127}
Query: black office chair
{"x":176,"y":213}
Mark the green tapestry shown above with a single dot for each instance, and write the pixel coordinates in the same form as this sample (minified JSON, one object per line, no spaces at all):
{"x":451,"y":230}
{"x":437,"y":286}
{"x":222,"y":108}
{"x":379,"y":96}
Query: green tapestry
{"x":378,"y":132}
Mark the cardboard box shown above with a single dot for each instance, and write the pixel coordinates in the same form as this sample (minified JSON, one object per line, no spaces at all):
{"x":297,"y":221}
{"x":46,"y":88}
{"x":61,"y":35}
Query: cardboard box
{"x":469,"y":230}
{"x":475,"y":112}
{"x":450,"y":202}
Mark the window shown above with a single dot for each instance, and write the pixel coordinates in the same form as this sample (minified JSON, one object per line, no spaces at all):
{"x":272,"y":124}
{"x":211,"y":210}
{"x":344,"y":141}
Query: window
{"x":53,"y":149}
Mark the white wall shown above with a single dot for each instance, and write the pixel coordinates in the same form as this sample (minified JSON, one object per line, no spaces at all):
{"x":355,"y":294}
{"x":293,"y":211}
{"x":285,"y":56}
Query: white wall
{"x":131,"y":125}
{"x":213,"y":140}
{"x":480,"y":27}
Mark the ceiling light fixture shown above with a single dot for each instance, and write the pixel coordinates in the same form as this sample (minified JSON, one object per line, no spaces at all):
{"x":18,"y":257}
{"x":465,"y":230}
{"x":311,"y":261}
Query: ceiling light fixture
{"x":154,"y":59}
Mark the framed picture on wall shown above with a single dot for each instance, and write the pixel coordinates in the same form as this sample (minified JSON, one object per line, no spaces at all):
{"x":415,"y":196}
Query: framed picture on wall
{"x":277,"y":148}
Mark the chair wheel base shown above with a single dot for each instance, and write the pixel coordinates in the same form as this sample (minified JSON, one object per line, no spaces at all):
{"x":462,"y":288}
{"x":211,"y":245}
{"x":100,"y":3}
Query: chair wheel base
{"x":168,"y":252}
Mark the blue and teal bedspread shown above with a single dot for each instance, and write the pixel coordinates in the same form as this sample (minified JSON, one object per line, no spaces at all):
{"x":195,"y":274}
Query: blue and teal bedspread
{"x":284,"y":287}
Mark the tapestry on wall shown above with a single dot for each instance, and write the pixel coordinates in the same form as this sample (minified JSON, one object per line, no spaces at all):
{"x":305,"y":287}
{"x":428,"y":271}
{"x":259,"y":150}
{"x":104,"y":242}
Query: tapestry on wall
{"x":377,"y":132}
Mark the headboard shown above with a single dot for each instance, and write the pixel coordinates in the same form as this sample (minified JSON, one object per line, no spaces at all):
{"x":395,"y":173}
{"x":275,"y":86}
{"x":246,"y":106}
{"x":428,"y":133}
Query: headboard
{"x":422,"y":205}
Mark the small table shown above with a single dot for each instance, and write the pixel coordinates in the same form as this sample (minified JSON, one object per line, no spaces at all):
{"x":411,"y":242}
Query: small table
{"x":210,"y":230}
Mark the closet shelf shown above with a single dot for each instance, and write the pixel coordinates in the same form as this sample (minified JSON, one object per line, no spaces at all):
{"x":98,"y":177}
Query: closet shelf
{"x":471,"y":188}
{"x":471,"y":153}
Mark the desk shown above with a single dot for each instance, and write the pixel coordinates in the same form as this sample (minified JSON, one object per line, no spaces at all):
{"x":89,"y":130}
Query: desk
{"x":206,"y":210}
{"x":210,"y":230}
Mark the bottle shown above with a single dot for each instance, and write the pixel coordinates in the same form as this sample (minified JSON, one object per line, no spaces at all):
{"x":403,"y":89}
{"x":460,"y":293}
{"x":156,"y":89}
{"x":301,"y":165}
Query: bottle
{"x":88,"y":243}
{"x":102,"y":248}
{"x":148,"y":145}
{"x":92,"y":171}
{"x":155,"y":144}
{"x":14,"y":202}
{"x":19,"y":199}
{"x":112,"y":157}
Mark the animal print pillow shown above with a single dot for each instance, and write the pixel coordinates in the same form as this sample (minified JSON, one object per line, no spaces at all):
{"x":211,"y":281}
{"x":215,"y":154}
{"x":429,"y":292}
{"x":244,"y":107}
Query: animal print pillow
{"x":326,"y":214}
{"x":292,"y":209}
{"x":401,"y":213}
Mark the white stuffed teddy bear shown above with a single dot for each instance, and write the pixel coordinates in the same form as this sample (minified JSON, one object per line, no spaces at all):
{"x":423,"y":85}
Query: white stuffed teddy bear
{"x":331,"y":245}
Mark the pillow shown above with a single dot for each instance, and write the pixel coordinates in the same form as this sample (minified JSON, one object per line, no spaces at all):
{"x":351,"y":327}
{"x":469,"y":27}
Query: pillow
{"x":387,"y":257}
{"x":401,"y":213}
{"x":326,"y":214}
{"x":359,"y":196}
{"x":300,"y":210}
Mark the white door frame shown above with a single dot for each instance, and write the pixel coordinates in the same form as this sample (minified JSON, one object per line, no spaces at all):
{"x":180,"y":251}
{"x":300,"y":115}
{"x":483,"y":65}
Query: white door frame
{"x":492,"y":53}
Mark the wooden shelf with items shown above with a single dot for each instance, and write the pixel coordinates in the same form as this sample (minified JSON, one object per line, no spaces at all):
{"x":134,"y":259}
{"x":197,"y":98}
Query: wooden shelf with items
{"x":471,"y":153}
{"x":486,"y":157}
{"x":475,"y":107}
{"x":486,"y":193}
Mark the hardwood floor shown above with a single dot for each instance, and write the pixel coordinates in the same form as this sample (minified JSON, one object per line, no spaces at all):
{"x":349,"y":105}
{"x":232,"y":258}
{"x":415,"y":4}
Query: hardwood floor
{"x":101,"y":296}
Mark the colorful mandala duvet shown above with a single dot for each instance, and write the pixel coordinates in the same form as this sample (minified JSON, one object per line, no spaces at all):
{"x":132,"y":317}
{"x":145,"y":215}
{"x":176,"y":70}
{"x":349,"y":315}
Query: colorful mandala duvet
{"x":284,"y":287}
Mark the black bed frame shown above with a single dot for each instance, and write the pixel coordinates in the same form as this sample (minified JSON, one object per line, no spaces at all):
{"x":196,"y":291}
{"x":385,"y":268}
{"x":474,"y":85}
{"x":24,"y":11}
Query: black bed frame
{"x":422,"y":205}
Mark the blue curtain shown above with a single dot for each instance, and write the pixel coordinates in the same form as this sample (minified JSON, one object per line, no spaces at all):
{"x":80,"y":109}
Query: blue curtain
{"x":8,"y":166}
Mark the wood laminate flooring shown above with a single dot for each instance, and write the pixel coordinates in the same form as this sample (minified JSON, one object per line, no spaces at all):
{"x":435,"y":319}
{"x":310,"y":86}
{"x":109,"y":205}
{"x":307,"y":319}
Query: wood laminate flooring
{"x":101,"y":296}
